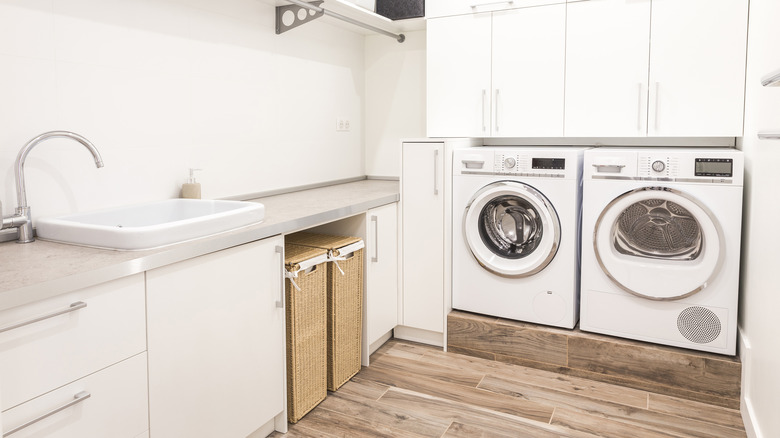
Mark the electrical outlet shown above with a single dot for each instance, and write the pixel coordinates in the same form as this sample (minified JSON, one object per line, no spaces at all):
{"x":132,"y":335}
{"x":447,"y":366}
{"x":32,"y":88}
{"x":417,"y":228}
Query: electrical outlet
{"x":342,"y":124}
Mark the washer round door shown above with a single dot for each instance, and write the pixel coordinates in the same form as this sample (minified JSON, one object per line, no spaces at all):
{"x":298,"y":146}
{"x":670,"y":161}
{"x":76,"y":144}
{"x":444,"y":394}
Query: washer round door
{"x":511,"y":229}
{"x":658,"y":243}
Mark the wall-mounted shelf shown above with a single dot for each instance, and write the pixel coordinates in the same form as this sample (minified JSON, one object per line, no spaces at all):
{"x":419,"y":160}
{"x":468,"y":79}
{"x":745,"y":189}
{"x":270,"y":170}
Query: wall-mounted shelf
{"x":367,"y":22}
{"x":771,"y":80}
{"x":769,"y":135}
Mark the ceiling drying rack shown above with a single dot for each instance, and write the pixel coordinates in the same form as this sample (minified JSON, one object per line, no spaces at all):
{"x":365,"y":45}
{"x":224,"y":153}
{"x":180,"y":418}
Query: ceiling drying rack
{"x":770,"y":80}
{"x":291,"y":16}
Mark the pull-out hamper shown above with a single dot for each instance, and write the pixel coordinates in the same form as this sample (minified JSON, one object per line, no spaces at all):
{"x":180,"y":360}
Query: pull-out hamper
{"x":305,"y":291}
{"x":345,"y":302}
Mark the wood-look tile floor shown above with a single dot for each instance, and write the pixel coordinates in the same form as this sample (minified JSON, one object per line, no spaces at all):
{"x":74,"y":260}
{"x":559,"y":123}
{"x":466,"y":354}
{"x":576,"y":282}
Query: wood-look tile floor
{"x":411,"y":390}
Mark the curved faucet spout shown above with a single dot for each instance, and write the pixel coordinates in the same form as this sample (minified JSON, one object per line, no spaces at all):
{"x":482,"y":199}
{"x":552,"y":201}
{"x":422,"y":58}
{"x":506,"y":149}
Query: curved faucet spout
{"x":21,"y":191}
{"x":22,"y":209}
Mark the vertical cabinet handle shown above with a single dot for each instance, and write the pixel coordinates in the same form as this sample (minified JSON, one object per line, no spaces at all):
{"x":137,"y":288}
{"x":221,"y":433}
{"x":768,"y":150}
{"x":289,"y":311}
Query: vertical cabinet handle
{"x":78,"y":398}
{"x":496,"y":109}
{"x":639,"y":108}
{"x":484,"y":97}
{"x":72,"y":308}
{"x":435,"y":172}
{"x":375,"y":223}
{"x":280,"y":251}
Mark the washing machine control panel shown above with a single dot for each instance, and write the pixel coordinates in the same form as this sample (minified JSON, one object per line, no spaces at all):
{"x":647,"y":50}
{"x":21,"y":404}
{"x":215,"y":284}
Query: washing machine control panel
{"x":518,"y":164}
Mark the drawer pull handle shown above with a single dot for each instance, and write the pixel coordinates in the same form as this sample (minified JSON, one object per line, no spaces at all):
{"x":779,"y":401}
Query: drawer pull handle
{"x":474,"y":5}
{"x":78,"y":398}
{"x":72,"y":308}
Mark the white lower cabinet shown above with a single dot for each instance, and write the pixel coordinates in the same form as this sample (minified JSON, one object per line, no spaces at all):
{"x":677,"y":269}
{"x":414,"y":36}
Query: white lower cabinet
{"x":109,"y":403}
{"x":88,"y":330}
{"x":422,"y":198}
{"x":381,"y":272}
{"x":216,"y":343}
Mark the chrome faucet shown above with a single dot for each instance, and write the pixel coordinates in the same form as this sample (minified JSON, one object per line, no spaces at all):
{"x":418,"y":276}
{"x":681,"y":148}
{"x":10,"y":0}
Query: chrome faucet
{"x":21,"y":219}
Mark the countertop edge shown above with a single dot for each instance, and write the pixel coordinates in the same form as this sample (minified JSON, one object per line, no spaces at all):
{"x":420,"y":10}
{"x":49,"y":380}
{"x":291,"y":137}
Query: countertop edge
{"x":181,"y":252}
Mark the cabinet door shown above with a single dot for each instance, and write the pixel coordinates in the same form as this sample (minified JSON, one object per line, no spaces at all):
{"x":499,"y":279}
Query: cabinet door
{"x":382,"y":275}
{"x":458,"y":58}
{"x":216,"y":343}
{"x":697,"y":67}
{"x":529,"y":47}
{"x":607,"y":50}
{"x":422,"y":198}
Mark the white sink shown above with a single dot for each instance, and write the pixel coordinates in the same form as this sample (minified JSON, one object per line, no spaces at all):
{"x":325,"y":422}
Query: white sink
{"x":150,"y":225}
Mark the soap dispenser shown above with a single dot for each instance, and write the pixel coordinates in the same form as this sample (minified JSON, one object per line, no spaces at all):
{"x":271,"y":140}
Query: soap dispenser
{"x":191,"y":189}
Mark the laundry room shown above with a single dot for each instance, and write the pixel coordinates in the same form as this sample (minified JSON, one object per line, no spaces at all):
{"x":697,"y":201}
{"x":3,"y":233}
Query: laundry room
{"x":398,"y":218}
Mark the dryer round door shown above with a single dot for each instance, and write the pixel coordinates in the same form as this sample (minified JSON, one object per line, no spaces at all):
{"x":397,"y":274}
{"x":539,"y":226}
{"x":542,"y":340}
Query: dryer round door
{"x":511,"y":229}
{"x":658,"y":243}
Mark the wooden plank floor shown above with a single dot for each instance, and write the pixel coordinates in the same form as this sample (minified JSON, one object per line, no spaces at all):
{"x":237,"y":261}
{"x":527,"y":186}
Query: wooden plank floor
{"x":412,"y":390}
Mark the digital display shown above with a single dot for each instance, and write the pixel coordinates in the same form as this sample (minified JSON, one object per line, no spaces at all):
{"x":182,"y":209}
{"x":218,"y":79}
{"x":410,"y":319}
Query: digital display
{"x":714,"y":167}
{"x":548,"y":163}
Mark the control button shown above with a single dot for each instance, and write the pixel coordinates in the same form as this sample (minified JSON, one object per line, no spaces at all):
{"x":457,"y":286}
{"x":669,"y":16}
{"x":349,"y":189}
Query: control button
{"x":659,"y":166}
{"x":510,"y":162}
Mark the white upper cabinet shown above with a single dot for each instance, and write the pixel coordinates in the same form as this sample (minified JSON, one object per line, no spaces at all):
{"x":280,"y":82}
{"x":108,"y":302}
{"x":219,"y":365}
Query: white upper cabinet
{"x":529,"y":55}
{"x":697,"y":68}
{"x":682,"y":75}
{"x":607,"y":50}
{"x":459,"y":76}
{"x":497,"y":74}
{"x":444,"y":8}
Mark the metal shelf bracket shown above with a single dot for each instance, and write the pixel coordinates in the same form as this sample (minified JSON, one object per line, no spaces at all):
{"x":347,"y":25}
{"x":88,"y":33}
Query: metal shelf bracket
{"x":771,"y":80}
{"x":300,"y":12}
{"x":296,"y":16}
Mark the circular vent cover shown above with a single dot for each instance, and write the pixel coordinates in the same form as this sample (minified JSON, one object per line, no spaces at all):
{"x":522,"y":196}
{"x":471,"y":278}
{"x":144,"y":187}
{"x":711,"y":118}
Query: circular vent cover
{"x":699,"y":325}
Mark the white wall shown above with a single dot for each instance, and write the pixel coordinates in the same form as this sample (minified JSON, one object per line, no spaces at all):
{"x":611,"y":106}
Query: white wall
{"x":395,"y":99}
{"x":760,"y":300}
{"x":162,"y":85}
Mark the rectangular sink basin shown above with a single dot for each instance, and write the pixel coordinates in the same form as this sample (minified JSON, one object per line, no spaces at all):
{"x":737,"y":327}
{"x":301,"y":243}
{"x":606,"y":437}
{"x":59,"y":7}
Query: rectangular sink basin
{"x":150,"y":225}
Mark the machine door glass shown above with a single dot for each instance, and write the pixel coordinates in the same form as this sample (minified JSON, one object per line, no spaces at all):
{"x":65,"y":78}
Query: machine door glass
{"x":511,"y":229}
{"x":658,"y":243}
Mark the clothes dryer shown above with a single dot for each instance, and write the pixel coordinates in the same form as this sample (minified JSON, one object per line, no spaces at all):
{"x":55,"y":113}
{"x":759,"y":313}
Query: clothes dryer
{"x":661,"y":245}
{"x":516,"y":222}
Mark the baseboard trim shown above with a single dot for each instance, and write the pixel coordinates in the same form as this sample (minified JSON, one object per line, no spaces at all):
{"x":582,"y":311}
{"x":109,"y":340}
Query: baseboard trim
{"x":418,"y":335}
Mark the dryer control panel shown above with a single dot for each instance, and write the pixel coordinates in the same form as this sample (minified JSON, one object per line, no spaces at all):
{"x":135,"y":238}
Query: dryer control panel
{"x":692,"y":165}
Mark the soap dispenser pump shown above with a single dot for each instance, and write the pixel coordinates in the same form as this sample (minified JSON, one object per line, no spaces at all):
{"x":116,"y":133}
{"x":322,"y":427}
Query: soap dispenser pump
{"x":191,"y":189}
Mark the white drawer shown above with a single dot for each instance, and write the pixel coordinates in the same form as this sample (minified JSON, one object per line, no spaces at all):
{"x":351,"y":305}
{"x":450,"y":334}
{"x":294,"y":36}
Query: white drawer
{"x":445,"y":8}
{"x":47,"y":354}
{"x":117,"y":406}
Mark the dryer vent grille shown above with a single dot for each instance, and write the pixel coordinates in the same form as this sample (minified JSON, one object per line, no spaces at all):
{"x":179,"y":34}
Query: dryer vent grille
{"x":699,"y":325}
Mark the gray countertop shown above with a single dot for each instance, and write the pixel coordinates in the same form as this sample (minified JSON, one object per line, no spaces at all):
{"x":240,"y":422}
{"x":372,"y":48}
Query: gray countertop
{"x":38,"y":270}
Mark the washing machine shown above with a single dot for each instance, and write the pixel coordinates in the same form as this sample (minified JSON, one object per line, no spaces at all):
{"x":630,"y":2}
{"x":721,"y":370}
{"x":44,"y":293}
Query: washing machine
{"x":661,"y":245}
{"x":516,"y":222}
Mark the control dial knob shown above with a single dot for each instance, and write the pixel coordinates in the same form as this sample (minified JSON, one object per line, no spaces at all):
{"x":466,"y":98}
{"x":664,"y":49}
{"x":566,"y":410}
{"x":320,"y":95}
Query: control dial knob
{"x":509,"y":162}
{"x":659,"y":166}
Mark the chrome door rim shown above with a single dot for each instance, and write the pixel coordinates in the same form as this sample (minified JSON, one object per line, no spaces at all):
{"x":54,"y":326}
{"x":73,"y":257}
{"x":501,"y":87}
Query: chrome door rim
{"x":713,"y":221}
{"x":535,"y":197}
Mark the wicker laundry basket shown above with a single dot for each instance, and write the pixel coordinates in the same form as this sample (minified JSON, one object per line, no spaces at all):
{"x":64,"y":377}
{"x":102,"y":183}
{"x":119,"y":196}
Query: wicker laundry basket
{"x":345,"y":302}
{"x":306,"y":329}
